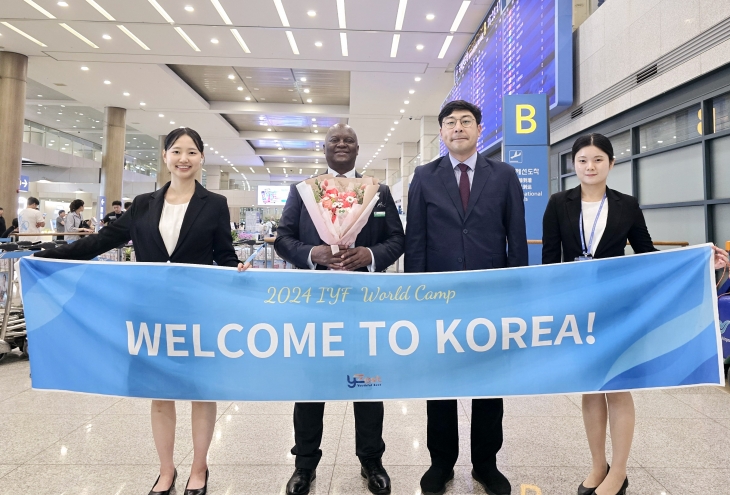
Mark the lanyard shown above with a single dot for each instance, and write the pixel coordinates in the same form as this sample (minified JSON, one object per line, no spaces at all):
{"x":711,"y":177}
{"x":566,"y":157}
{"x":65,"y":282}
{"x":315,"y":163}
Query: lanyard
{"x":587,"y":252}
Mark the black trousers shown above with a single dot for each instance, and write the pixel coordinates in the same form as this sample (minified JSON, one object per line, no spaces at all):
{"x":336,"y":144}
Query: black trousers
{"x":308,"y":427}
{"x":486,"y":432}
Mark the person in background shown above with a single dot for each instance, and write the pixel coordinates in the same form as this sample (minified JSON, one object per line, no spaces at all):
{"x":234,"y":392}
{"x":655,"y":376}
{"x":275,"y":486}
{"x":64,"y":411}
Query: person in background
{"x":30,"y":221}
{"x":114,"y":214}
{"x":180,"y":223}
{"x":465,"y":212}
{"x":608,"y":219}
{"x":61,"y":224}
{"x":75,"y":222}
{"x":13,"y":229}
{"x":3,"y":227}
{"x":127,"y":205}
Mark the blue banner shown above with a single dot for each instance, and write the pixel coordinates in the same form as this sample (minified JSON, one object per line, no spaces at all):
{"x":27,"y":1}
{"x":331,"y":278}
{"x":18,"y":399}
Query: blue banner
{"x":209,"y":333}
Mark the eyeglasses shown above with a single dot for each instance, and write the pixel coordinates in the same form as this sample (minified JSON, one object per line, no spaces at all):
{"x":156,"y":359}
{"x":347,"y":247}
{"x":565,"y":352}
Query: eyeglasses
{"x":465,"y":122}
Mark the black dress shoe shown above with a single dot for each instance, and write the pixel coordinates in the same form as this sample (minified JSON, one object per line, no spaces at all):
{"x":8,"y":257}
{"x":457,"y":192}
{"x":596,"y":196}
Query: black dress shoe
{"x":300,"y":481}
{"x":433,"y":482}
{"x":378,"y":479}
{"x":493,"y":481}
{"x":198,"y":491}
{"x":582,"y":490}
{"x":164,"y":492}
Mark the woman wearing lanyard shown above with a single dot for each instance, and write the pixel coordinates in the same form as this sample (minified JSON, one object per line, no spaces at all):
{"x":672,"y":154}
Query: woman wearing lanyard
{"x":180,"y":223}
{"x":586,"y":222}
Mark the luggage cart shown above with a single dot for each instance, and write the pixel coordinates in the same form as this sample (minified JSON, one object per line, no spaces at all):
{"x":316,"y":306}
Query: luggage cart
{"x":13,"y":332}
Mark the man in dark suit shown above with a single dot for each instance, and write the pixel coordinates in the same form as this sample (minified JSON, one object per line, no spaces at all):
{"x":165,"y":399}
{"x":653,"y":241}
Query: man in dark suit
{"x":465,"y":212}
{"x":377,"y":247}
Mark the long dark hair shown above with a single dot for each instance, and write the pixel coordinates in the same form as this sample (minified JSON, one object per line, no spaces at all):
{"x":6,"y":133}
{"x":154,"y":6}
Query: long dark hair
{"x":171,"y":138}
{"x":598,"y":140}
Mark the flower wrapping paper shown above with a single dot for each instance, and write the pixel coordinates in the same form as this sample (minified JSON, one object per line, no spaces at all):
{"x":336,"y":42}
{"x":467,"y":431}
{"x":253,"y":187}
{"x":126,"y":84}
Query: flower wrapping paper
{"x":339,"y":207}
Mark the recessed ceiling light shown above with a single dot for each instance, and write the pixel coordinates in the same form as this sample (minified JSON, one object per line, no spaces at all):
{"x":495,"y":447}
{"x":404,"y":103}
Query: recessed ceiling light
{"x":430,"y":17}
{"x":311,"y":13}
{"x":189,"y":8}
{"x":279,"y":148}
{"x":62,"y":4}
{"x":417,"y":79}
{"x":314,"y":120}
{"x":314,"y":125}
{"x":263,"y":99}
{"x":402,"y":110}
{"x":240,"y":88}
{"x":318,"y":44}
{"x":396,"y":122}
{"x":411,"y":91}
{"x":172,"y":122}
{"x":388,"y":134}
{"x":309,"y":100}
{"x":306,"y":90}
{"x":303,"y":79}
{"x":392,"y":128}
{"x":248,"y":98}
{"x":419,"y":47}
{"x":269,"y":129}
{"x":125,"y":93}
{"x":107,"y":82}
{"x":106,"y":37}
{"x":161,"y":115}
{"x":215,"y":42}
{"x":316,"y":131}
{"x":406,"y":102}
{"x":255,"y":89}
{"x":141,"y":103}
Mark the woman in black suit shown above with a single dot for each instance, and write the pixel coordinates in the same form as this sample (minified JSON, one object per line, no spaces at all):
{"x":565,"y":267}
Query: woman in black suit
{"x":593,"y":221}
{"x":180,"y":223}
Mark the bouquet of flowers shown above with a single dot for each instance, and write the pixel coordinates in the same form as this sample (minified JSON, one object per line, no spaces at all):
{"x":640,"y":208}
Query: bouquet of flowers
{"x":339,"y":207}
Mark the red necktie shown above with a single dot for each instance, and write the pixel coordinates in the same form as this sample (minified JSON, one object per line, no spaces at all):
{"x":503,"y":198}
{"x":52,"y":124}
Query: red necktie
{"x":464,"y":187}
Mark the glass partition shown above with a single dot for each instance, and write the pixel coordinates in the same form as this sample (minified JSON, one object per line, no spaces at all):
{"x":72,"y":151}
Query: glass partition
{"x":680,"y":126}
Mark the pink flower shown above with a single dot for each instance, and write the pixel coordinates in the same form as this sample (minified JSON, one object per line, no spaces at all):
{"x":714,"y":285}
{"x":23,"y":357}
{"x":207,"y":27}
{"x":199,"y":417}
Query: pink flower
{"x":326,"y":203}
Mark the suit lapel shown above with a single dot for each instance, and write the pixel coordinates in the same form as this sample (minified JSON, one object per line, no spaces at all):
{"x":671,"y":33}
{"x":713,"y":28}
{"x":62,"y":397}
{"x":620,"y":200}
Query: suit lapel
{"x":197,"y":203}
{"x":446,"y":173}
{"x":572,"y":210}
{"x":482,"y":171}
{"x":157,"y":201}
{"x":613,"y":221}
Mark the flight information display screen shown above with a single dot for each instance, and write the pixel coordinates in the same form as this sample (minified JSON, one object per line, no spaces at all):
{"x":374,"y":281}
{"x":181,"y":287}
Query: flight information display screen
{"x":522,"y":47}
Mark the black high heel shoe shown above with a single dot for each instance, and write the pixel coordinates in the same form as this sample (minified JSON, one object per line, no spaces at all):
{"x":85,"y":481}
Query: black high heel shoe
{"x":198,"y":491}
{"x":622,"y":491}
{"x":164,"y":492}
{"x":582,"y":490}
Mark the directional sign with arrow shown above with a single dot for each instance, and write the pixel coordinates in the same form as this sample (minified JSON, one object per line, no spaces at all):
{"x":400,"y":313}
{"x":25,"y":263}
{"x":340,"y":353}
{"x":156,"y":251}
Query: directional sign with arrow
{"x":24,"y":183}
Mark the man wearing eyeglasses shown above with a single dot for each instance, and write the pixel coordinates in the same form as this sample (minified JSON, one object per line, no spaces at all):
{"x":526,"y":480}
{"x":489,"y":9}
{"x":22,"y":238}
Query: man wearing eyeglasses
{"x":464,"y":212}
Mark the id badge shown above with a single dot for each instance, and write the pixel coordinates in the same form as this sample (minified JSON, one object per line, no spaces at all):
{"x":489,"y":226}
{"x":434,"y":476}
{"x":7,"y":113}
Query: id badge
{"x":584,"y":258}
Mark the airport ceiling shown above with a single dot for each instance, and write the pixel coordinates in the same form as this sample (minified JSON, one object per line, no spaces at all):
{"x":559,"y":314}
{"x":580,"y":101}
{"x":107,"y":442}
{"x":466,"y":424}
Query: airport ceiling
{"x":252,"y":76}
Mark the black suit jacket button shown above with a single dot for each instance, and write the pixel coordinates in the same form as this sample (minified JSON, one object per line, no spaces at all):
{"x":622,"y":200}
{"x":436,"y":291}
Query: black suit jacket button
{"x":460,"y":260}
{"x":466,"y":231}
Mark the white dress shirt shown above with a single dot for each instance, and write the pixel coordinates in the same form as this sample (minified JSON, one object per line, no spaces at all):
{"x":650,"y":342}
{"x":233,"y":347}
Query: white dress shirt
{"x":470,"y":162}
{"x":590,"y":210}
{"x":350,"y":175}
{"x":170,"y":224}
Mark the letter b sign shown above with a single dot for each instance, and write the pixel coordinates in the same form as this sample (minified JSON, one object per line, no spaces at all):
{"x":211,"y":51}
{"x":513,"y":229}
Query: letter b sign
{"x":525,"y":120}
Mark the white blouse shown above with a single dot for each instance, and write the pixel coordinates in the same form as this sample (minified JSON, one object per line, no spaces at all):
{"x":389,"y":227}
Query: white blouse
{"x":590,"y":210}
{"x":170,"y":224}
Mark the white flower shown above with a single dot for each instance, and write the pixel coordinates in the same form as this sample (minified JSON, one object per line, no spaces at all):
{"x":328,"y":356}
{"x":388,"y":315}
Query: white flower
{"x":337,"y":204}
{"x":351,"y":200}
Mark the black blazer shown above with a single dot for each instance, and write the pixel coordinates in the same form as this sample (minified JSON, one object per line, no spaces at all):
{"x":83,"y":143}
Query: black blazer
{"x":205,"y":235}
{"x":296,"y":235}
{"x":441,"y":237}
{"x":561,"y":230}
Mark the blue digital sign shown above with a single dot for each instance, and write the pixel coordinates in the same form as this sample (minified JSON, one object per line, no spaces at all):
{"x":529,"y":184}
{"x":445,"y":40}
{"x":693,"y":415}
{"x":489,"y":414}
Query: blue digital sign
{"x":522,"y":47}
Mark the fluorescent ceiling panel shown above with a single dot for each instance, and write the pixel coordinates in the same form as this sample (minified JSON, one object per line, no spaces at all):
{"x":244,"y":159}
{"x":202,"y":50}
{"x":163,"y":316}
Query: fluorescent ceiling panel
{"x":24,"y":34}
{"x":221,"y":12}
{"x":460,"y":15}
{"x":100,"y":9}
{"x":131,"y":35}
{"x":77,"y":34}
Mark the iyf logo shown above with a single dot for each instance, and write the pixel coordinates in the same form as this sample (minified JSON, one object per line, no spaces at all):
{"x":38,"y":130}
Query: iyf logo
{"x":360,"y":380}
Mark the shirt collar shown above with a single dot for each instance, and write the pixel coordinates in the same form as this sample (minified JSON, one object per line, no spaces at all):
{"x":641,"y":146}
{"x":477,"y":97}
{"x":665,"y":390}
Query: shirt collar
{"x":349,"y":175}
{"x":471,"y":162}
